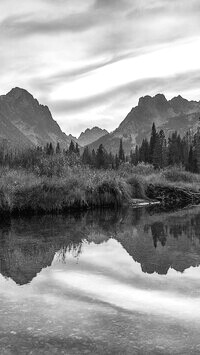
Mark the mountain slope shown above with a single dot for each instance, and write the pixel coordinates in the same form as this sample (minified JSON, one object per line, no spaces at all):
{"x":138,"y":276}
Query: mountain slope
{"x":91,"y":135}
{"x":9,"y":134}
{"x":24,"y":122}
{"x":175,"y":114}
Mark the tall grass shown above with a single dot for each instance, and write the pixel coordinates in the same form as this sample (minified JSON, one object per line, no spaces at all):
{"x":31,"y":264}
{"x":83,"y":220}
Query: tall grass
{"x":81,"y":188}
{"x":25,"y":192}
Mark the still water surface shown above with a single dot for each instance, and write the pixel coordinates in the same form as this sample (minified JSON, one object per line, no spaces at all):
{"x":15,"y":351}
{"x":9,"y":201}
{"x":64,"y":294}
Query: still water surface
{"x":107,"y":282}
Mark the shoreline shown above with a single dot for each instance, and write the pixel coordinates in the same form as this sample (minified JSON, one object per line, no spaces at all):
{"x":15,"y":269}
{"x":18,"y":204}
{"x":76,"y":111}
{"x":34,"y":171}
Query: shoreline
{"x":79,"y":206}
{"x":24,"y":193}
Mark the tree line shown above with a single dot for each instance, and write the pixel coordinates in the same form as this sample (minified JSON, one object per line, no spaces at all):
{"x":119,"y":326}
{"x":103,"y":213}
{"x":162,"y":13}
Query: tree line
{"x":158,"y":151}
{"x":175,"y":150}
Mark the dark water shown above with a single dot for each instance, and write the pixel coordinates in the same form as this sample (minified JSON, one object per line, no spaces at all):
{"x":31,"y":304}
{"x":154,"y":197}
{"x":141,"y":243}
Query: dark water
{"x":125,"y":282}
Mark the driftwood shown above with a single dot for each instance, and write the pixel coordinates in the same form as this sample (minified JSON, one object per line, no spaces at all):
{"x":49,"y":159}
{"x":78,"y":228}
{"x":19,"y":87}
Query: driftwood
{"x":171,"y":196}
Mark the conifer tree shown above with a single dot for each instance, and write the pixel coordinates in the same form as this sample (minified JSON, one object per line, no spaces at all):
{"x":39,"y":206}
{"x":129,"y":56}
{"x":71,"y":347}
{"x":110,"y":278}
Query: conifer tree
{"x":49,"y":149}
{"x":86,"y":157}
{"x":144,"y":151}
{"x":117,"y":162}
{"x":197,"y":149}
{"x":93,"y":157}
{"x":192,"y":163}
{"x":136,"y":155}
{"x":111,"y":160}
{"x":121,"y":151}
{"x":174,"y":149}
{"x":77,"y":151}
{"x":101,"y":157}
{"x":160,"y":151}
{"x":71,"y":147}
{"x":58,"y":150}
{"x":132,"y":157}
{"x":152,"y":142}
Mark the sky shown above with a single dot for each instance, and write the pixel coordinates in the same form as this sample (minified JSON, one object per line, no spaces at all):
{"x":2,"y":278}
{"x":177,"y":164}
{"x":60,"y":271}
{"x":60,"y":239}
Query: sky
{"x":91,"y":60}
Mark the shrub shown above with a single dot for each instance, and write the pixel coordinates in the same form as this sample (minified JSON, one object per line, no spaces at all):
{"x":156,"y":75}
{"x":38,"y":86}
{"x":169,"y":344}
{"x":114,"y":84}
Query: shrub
{"x":126,"y":169}
{"x":178,"y":175}
{"x":137,"y":187}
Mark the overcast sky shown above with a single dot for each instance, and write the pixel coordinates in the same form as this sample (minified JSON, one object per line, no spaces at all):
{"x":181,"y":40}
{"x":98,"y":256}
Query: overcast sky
{"x":91,"y":60}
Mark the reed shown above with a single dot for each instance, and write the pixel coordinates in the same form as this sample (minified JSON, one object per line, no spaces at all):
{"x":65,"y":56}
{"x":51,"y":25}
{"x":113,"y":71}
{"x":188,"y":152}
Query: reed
{"x":24,"y":192}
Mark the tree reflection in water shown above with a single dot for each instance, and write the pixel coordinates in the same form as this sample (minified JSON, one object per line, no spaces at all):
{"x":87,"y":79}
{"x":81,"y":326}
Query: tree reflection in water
{"x":157,"y":241}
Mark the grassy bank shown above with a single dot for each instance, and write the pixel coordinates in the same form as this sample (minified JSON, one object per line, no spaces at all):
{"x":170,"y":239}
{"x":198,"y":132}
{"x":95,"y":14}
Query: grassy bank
{"x":81,"y":188}
{"x":25,"y":192}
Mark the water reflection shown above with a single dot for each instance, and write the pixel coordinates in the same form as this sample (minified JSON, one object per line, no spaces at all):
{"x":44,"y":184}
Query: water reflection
{"x":157,"y":241}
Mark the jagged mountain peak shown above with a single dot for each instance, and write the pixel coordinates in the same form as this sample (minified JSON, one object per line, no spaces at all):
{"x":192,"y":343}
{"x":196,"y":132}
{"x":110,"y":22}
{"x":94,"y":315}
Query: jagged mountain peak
{"x":93,"y":129}
{"x":149,"y":100}
{"x":19,"y":95}
{"x":24,"y":121}
{"x":178,"y":99}
{"x":170,"y":115}
{"x":182,"y":105}
{"x":90,"y":135}
{"x":17,"y":92}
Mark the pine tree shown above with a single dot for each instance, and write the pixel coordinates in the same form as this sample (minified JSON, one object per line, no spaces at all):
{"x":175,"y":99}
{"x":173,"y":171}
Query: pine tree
{"x":111,"y":160}
{"x":144,"y":151}
{"x":49,"y":149}
{"x":58,"y":150}
{"x":152,"y":142}
{"x":187,"y":143}
{"x":132,"y":157}
{"x":160,"y":151}
{"x":117,"y":162}
{"x":93,"y":157}
{"x":136,"y":155}
{"x":101,"y":157}
{"x":197,"y":149}
{"x":157,"y":154}
{"x":77,"y":150}
{"x":71,"y":147}
{"x":121,"y":152}
{"x":86,"y":157}
{"x":192,"y":163}
{"x":174,"y":149}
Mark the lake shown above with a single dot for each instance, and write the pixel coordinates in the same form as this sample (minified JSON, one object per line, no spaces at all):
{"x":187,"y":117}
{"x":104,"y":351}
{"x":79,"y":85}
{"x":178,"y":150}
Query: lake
{"x":103,"y":282}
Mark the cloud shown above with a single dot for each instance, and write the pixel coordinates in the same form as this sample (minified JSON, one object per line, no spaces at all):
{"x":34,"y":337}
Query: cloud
{"x":145,"y":23}
{"x":108,"y":109}
{"x":34,"y":23}
{"x":114,"y":5}
{"x":48,"y":83}
{"x":25,"y":25}
{"x":179,"y":83}
{"x":68,"y":53}
{"x":115,"y":25}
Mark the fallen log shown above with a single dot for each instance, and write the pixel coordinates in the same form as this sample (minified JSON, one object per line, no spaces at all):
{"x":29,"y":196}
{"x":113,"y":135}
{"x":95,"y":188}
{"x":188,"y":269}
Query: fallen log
{"x":170,"y":196}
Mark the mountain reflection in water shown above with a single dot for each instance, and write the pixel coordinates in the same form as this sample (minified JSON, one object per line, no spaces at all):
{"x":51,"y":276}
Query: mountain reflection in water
{"x":157,"y":241}
{"x":103,"y":282}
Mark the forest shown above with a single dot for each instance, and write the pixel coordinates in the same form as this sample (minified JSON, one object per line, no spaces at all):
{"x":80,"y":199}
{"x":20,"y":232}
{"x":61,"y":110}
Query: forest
{"x":54,"y":180}
{"x":157,"y":151}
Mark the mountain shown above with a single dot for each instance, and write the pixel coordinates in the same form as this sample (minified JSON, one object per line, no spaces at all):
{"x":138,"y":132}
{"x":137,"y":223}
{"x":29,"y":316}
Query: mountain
{"x":175,"y":114}
{"x":29,"y":245}
{"x":24,"y":122}
{"x":158,"y":242}
{"x":91,"y":135}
